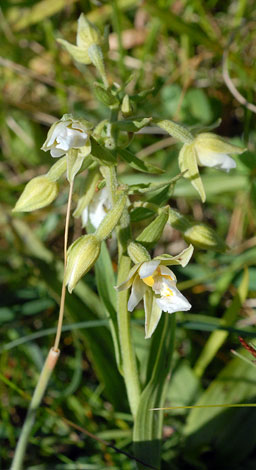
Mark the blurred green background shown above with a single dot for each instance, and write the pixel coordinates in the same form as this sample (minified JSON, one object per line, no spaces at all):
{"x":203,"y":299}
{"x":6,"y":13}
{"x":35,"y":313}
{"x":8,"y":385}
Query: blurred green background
{"x":175,"y":48}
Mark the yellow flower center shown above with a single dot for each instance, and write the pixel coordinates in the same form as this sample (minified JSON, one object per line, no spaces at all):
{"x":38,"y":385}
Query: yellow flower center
{"x":150,"y":280}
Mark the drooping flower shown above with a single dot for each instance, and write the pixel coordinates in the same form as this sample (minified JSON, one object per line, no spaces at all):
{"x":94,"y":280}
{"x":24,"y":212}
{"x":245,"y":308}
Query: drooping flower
{"x":97,"y":209}
{"x":206,"y":149}
{"x":156,"y":284}
{"x":67,"y":134}
{"x":87,"y":36}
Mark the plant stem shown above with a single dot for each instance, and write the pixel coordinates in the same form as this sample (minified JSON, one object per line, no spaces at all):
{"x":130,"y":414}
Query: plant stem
{"x":42,"y":383}
{"x":63,"y":289}
{"x":130,"y":370}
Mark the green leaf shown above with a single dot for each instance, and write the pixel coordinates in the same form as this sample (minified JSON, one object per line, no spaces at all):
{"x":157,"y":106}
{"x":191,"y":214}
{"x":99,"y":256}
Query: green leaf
{"x":105,"y":96}
{"x":148,"y":424}
{"x":132,"y":126}
{"x":225,"y":431}
{"x":106,"y":281}
{"x":217,"y":338}
{"x":137,"y":164}
{"x":102,"y":155}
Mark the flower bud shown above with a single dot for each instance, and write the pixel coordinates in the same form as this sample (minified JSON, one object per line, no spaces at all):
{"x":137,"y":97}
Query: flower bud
{"x":138,"y":253}
{"x":126,"y":107}
{"x":38,"y":193}
{"x":178,"y":221}
{"x":82,"y":255}
{"x":204,"y":237}
{"x":151,"y":234}
{"x":112,"y":218}
{"x":87,"y":35}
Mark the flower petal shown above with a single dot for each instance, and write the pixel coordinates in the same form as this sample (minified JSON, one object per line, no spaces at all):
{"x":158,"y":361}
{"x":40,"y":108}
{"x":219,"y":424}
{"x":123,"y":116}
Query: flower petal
{"x":126,"y":284}
{"x":152,"y":313}
{"x":174,"y":302}
{"x":214,"y":159}
{"x":181,"y":259}
{"x":138,"y":290}
{"x":148,"y":268}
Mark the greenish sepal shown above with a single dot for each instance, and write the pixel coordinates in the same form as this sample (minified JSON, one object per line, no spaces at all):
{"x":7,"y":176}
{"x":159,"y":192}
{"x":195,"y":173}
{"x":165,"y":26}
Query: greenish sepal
{"x":177,"y":131}
{"x":96,"y":56}
{"x":58,"y":169}
{"x":105,"y":96}
{"x":152,"y":233}
{"x":102,"y":155}
{"x":112,"y":218}
{"x":138,"y":253}
{"x":181,"y":259}
{"x":188,"y":164}
{"x":132,"y":126}
{"x":75,"y":158}
{"x":89,"y":191}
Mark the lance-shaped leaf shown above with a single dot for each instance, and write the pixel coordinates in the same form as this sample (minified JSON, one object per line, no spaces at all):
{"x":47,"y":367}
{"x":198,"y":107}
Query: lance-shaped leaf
{"x":138,"y":164}
{"x":188,"y":164}
{"x":89,"y":191}
{"x":132,"y":126}
{"x":102,"y":155}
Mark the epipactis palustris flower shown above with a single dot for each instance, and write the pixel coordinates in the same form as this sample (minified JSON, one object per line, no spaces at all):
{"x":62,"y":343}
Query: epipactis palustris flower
{"x":67,"y":134}
{"x":206,"y":149}
{"x":156,"y":284}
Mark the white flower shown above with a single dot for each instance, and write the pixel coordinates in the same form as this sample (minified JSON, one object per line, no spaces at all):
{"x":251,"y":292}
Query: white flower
{"x":206,"y":149}
{"x":97,"y":209}
{"x":156,"y":284}
{"x":67,"y":134}
{"x":213,"y":151}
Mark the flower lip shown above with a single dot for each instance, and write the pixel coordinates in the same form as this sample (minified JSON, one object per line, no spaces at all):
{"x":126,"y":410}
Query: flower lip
{"x":65,"y":135}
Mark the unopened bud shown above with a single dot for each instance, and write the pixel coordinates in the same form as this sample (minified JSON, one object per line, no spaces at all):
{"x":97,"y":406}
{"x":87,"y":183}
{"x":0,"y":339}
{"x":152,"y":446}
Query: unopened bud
{"x":82,"y":255}
{"x":126,"y":107}
{"x":38,"y":193}
{"x":178,"y":221}
{"x":112,"y":218}
{"x":204,"y":237}
{"x":138,"y":253}
{"x":151,"y":234}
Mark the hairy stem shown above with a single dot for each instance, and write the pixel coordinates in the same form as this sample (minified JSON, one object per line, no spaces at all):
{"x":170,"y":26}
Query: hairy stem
{"x":63,"y":289}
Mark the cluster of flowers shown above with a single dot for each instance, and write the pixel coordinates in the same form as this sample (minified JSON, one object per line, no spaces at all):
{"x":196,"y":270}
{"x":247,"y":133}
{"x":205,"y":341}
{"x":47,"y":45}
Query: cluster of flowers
{"x":71,"y":141}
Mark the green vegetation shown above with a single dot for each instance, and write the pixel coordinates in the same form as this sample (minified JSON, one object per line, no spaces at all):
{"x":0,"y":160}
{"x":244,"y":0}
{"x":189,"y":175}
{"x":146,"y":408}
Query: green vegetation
{"x":187,"y":61}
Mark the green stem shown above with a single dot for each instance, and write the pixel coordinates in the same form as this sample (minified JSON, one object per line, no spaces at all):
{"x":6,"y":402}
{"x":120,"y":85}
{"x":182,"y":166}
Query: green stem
{"x":130,"y":370}
{"x":42,"y":383}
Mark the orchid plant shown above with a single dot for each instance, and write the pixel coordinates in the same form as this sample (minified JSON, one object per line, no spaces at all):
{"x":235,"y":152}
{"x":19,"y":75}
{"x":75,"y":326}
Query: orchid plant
{"x":89,"y":151}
